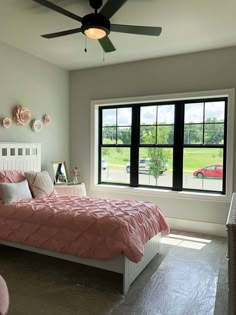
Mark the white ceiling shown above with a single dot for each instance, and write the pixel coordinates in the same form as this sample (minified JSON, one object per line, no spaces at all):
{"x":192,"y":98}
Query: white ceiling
{"x":187,"y":26}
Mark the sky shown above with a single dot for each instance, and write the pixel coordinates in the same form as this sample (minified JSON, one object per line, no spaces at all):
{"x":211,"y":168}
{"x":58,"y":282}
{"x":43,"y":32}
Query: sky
{"x":165,"y":114}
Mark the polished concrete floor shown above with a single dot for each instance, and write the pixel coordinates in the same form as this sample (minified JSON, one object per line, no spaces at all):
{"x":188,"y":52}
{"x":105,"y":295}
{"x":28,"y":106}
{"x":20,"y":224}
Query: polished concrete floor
{"x":188,"y":277}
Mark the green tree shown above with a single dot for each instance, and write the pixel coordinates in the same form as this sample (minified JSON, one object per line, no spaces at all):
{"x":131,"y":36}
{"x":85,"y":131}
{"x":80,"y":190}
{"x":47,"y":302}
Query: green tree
{"x":214,"y":132}
{"x":109,"y":134}
{"x":193,"y":133}
{"x":158,"y":161}
{"x":158,"y":155}
{"x":124,"y":135}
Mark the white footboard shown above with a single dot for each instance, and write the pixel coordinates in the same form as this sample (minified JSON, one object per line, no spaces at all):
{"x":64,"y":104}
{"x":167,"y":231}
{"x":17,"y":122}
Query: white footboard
{"x":132,"y":270}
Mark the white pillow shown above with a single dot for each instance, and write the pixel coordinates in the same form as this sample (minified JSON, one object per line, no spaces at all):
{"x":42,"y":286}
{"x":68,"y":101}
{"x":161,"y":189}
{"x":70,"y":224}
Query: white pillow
{"x":40,"y":184}
{"x":11,"y":192}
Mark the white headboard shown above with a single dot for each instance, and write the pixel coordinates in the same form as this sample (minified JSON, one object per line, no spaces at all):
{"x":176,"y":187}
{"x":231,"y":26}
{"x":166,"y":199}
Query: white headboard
{"x":20,"y":156}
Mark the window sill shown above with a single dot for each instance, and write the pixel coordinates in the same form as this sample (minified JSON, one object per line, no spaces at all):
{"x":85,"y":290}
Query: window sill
{"x":141,"y":191}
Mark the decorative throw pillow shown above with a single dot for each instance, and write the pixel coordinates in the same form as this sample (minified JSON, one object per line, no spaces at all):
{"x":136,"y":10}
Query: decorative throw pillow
{"x":11,"y":192}
{"x":40,"y":184}
{"x":11,"y":176}
{"x":4,"y":297}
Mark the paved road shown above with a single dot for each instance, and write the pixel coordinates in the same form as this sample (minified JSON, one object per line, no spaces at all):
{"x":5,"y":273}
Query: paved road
{"x":119,"y":176}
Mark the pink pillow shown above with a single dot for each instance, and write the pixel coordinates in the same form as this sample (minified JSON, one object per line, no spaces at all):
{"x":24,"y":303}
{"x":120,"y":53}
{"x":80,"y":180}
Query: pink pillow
{"x":11,"y":176}
{"x":40,"y":184}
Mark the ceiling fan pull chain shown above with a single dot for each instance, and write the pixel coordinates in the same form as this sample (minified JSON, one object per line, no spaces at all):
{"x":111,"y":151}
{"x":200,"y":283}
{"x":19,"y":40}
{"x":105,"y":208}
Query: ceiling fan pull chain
{"x":85,"y":44}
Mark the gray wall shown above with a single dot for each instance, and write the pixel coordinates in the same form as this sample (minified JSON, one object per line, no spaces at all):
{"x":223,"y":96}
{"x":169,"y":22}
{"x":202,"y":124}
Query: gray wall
{"x":42,"y":88}
{"x":184,"y":73}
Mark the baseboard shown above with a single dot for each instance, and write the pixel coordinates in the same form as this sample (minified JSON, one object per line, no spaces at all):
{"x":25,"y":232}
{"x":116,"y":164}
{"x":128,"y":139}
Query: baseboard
{"x":197,"y":227}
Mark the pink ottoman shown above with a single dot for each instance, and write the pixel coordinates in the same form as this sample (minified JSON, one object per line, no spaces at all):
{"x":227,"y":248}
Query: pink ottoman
{"x":4,"y":297}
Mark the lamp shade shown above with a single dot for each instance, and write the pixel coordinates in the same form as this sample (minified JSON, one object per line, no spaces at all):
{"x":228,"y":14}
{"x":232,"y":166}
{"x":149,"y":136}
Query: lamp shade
{"x":95,"y":32}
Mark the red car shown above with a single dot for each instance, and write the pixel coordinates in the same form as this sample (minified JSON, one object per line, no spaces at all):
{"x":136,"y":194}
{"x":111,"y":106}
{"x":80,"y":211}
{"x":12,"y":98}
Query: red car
{"x":210,"y":171}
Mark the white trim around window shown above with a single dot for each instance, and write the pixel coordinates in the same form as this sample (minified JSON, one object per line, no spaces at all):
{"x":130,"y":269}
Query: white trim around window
{"x":95,"y":104}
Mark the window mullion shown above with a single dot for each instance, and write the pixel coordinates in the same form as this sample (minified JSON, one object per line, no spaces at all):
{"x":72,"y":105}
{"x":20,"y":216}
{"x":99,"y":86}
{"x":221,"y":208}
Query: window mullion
{"x":134,"y":154}
{"x":178,"y":147}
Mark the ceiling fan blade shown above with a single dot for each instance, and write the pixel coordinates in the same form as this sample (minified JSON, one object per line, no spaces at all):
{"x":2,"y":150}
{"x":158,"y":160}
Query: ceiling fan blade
{"x":106,"y":44}
{"x":58,"y":9}
{"x":134,"y":29}
{"x":63,"y":33}
{"x":110,"y":7}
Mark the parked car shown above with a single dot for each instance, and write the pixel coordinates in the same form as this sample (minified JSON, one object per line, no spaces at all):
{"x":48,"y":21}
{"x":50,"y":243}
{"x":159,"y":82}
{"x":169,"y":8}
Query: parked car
{"x":144,"y":166}
{"x":104,"y":165}
{"x":210,"y":171}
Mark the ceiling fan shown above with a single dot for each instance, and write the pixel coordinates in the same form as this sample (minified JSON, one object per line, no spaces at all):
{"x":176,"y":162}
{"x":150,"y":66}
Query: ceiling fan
{"x":97,"y":25}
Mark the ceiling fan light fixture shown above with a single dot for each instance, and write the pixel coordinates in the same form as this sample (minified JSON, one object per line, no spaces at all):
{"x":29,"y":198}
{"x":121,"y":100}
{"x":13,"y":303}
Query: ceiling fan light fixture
{"x":95,"y":32}
{"x":95,"y":26}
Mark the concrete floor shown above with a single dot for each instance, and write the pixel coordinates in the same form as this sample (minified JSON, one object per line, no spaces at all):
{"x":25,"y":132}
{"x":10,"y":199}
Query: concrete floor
{"x":188,"y":277}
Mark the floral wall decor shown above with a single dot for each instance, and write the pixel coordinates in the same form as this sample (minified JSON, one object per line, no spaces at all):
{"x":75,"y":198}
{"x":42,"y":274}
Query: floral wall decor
{"x":46,"y":119}
{"x":21,"y":115}
{"x":36,"y":125}
{"x":6,"y":122}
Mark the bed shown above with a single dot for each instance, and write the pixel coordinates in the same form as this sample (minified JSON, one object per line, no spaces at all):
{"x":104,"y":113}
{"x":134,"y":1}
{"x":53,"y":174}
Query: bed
{"x":27,"y":157}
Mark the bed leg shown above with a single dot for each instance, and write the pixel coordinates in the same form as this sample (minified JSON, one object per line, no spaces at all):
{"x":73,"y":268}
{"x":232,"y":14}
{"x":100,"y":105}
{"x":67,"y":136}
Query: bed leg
{"x":126,"y":283}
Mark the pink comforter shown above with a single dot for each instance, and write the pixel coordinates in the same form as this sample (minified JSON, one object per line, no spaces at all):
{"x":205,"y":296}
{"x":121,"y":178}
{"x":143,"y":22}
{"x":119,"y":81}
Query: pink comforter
{"x":85,"y":227}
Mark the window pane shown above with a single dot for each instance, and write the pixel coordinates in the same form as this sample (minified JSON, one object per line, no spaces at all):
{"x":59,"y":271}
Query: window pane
{"x":155,"y":166}
{"x":114,"y":164}
{"x":193,"y":113}
{"x":123,"y":135}
{"x":109,"y":135}
{"x":165,"y":114}
{"x":124,"y":116}
{"x":193,"y":134}
{"x":165,"y":134}
{"x":214,"y":111}
{"x":214,"y":134}
{"x":148,"y":115}
{"x":148,"y":134}
{"x":203,"y":169}
{"x":109,"y":117}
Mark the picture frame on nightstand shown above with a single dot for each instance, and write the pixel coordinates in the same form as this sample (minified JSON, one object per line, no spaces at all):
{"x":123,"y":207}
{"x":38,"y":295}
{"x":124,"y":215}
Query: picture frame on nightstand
{"x":60,"y":173}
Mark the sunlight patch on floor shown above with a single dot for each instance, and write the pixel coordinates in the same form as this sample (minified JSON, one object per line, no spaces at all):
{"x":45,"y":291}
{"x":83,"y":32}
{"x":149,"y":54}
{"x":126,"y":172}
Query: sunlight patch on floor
{"x":185,"y":241}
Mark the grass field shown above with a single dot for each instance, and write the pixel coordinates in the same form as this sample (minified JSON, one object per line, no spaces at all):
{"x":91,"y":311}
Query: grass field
{"x":194,"y":158}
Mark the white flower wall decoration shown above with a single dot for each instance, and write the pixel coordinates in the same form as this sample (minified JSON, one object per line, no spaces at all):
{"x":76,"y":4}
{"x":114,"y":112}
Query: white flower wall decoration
{"x":36,"y":125}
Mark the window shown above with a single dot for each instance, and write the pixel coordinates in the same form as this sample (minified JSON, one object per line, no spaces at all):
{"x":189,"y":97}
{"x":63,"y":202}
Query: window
{"x":115,"y":146}
{"x":177,"y":145}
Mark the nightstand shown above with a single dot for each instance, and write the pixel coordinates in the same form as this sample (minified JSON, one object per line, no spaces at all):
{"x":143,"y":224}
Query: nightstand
{"x":72,"y":190}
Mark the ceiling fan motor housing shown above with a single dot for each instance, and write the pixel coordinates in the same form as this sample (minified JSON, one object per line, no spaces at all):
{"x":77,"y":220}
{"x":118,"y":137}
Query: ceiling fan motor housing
{"x":95,"y":4}
{"x":95,"y":20}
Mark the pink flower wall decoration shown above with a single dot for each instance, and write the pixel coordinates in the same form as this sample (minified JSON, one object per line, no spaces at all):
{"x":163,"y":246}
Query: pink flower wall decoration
{"x":21,"y":115}
{"x":6,"y":122}
{"x":46,"y":119}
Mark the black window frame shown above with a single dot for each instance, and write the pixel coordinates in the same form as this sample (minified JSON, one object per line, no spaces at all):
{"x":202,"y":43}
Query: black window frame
{"x":178,"y":143}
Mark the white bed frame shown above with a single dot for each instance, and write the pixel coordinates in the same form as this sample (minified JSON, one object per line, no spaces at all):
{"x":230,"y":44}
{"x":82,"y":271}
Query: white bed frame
{"x":27,"y":157}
